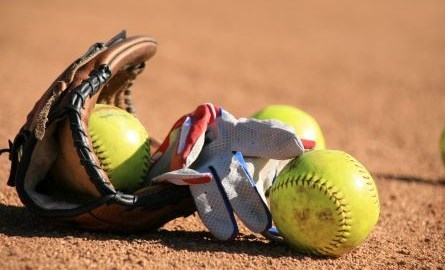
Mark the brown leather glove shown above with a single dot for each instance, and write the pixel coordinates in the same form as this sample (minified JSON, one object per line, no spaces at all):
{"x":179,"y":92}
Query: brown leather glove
{"x":53,"y":167}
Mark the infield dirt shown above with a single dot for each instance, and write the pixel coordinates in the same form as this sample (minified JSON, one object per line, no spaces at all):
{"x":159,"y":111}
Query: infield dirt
{"x":371,"y":73}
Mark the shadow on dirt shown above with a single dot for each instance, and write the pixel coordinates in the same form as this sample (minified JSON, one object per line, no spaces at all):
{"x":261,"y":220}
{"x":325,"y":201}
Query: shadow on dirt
{"x":410,"y":179}
{"x":18,"y":221}
{"x":244,"y":244}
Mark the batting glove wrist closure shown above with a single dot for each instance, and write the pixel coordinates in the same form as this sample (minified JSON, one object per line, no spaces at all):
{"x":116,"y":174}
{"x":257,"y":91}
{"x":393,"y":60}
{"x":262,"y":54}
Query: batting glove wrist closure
{"x":205,"y":150}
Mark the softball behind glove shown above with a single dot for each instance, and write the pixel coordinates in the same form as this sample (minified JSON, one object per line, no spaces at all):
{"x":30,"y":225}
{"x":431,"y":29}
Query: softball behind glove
{"x":53,"y":149}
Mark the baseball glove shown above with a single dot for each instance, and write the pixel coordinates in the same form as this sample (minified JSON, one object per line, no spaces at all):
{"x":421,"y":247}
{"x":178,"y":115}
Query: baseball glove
{"x":53,"y":166}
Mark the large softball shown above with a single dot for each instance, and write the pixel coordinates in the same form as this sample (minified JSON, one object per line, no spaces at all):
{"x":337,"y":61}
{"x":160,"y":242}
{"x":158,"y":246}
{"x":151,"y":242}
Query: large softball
{"x":324,"y":202}
{"x":305,"y":126}
{"x":120,"y":142}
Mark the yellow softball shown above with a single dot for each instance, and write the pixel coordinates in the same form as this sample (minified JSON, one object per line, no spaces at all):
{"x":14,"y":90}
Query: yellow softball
{"x":120,"y":142}
{"x":305,"y":126}
{"x":324,"y":202}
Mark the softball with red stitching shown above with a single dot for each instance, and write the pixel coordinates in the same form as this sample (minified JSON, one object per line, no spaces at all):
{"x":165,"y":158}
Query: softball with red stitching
{"x":121,"y":143}
{"x":304,"y":125}
{"x":324,"y":202}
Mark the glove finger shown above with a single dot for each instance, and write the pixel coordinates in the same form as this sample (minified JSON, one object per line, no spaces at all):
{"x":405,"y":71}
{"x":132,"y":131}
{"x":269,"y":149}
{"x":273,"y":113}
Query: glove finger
{"x":184,"y":142}
{"x":162,"y":158}
{"x":246,"y":201}
{"x":193,"y":131}
{"x":266,"y":138}
{"x":308,"y":144}
{"x":264,"y":171}
{"x":214,"y":208}
{"x":273,"y":234}
{"x":184,"y":176}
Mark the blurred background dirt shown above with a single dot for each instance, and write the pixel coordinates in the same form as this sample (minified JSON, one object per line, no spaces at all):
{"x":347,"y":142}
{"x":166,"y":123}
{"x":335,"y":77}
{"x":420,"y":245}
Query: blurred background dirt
{"x":370,"y":72}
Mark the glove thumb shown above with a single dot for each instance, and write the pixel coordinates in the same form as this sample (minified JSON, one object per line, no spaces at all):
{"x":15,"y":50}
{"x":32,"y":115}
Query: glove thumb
{"x":184,"y":176}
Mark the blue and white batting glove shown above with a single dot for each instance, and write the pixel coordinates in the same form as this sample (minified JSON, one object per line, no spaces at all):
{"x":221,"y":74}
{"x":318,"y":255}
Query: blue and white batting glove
{"x":205,"y":150}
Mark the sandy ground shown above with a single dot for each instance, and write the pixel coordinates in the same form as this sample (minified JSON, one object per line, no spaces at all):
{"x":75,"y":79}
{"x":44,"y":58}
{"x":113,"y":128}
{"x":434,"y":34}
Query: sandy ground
{"x":372,"y":74}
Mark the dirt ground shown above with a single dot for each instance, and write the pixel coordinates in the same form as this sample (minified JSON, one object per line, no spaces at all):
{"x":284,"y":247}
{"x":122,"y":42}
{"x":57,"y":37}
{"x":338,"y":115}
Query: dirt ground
{"x":372,"y":74}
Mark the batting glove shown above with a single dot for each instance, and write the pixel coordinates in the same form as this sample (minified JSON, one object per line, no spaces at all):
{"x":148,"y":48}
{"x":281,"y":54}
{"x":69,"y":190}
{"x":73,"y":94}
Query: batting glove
{"x":205,"y":150}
